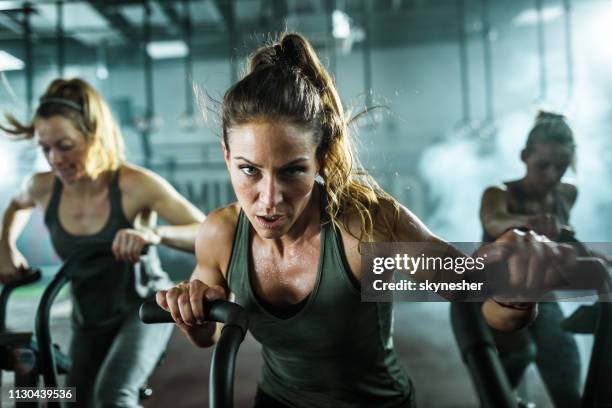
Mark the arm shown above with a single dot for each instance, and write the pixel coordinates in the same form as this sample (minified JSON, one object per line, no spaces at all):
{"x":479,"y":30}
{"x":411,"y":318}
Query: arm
{"x":207,"y":283}
{"x":145,"y":196}
{"x":14,"y":220}
{"x":502,"y":316}
{"x":184,"y":218}
{"x":494,"y":214}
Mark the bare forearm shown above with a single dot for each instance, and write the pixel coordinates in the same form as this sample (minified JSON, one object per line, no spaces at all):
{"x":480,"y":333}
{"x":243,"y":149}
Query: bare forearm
{"x":180,"y":237}
{"x":14,"y":221}
{"x":508,"y":318}
{"x":496,"y":226}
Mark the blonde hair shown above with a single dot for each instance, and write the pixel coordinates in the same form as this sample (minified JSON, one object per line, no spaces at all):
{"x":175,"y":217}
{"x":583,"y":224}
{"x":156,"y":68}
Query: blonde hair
{"x":286,"y":81}
{"x":77,"y":101}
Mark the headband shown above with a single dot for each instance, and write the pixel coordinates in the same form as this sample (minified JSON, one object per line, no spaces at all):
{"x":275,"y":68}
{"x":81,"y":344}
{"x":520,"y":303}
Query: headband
{"x":61,"y":101}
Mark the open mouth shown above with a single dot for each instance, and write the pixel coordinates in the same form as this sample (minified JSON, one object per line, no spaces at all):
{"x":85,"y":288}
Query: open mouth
{"x":271,"y":221}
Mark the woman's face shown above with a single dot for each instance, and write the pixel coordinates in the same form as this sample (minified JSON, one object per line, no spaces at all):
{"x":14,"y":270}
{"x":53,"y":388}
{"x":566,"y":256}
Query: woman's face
{"x":272,"y":167}
{"x":546,"y":164}
{"x":64,"y":147}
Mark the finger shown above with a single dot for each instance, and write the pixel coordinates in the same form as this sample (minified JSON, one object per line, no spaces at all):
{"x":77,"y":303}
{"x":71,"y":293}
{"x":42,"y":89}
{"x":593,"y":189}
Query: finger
{"x":172,"y":301}
{"x":128,"y":248}
{"x":160,"y":298}
{"x":196,"y":298}
{"x":124,"y":254}
{"x":215,"y":292}
{"x":117,"y":245}
{"x":185,"y":306}
{"x":534,"y":266}
{"x":126,"y":243}
{"x":138,"y":244}
{"x":564,"y":261}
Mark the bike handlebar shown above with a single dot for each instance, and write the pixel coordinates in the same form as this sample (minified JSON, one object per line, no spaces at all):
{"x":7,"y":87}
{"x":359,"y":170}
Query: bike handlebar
{"x":235,"y":319}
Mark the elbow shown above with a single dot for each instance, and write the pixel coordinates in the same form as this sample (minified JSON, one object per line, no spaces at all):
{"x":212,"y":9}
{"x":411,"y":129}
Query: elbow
{"x":491,"y":228}
{"x":508,"y":319}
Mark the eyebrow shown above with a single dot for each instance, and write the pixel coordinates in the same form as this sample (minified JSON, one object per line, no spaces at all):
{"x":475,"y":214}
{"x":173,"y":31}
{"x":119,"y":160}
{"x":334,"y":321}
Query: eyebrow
{"x":292,"y":162}
{"x":40,"y":143}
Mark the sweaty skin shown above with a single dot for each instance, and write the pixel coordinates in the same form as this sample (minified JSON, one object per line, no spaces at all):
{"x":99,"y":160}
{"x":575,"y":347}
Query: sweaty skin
{"x":272,"y":168}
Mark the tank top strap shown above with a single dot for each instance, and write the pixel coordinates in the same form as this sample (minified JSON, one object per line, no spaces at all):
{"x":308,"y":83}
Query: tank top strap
{"x":52,"y":206}
{"x":115,"y":199}
{"x":561,"y":209}
{"x":240,"y":250}
{"x":516,"y":195}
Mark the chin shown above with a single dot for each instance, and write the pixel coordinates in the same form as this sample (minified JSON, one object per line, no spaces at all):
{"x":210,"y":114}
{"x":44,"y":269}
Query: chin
{"x":71,"y":179}
{"x":270,"y":234}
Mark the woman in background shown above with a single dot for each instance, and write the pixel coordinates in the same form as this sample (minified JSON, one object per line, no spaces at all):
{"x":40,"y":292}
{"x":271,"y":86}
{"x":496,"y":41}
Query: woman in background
{"x":92,"y":197}
{"x":539,"y":202}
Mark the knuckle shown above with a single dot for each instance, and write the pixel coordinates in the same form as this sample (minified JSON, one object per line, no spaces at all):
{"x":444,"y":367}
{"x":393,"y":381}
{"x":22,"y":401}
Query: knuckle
{"x":183,"y":298}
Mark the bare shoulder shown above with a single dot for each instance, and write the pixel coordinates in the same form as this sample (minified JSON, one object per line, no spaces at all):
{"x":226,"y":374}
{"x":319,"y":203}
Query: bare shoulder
{"x":391,"y":224}
{"x":408,"y":227}
{"x":216,"y":236}
{"x":136,"y":178}
{"x":495,"y":191}
{"x":37,"y":188}
{"x":569,"y":192}
{"x":142,"y":186}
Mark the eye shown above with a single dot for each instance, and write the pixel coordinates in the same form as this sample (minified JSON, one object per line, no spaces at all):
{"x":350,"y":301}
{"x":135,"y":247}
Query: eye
{"x":294,"y":171}
{"x":65,"y":147}
{"x":249,"y":170}
{"x":543,"y":165}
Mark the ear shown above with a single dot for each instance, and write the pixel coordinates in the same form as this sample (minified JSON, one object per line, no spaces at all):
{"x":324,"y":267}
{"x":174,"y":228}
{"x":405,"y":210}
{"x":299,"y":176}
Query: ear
{"x":225,"y":153}
{"x":319,"y":161}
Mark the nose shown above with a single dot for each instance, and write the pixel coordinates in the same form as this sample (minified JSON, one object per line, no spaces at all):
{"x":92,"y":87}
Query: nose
{"x":55,"y":158}
{"x":271,"y":194}
{"x":551,"y":174}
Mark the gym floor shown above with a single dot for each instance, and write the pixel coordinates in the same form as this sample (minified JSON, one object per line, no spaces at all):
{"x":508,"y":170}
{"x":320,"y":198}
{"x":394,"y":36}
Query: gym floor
{"x":423,"y":339}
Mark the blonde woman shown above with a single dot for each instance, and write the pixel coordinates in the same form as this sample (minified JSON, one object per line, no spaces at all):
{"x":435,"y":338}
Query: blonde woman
{"x":93,"y":197}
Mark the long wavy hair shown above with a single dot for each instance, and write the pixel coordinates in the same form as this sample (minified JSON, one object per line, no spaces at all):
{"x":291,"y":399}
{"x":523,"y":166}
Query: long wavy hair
{"x":78,"y":102}
{"x":286,"y":81}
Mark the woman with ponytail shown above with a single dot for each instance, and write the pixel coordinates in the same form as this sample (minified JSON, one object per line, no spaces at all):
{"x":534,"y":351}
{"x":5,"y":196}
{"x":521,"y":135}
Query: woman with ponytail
{"x":92,"y":198}
{"x":288,"y":249}
{"x":539,"y":202}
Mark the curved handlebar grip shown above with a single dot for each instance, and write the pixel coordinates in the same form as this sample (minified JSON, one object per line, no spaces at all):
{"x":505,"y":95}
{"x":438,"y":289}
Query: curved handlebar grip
{"x":29,"y":275}
{"x":220,"y":311}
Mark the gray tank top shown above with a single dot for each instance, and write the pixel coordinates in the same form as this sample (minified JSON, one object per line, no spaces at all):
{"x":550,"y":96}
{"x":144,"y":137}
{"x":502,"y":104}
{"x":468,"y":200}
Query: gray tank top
{"x":334,"y":350}
{"x":104,"y":290}
{"x":519,"y":198}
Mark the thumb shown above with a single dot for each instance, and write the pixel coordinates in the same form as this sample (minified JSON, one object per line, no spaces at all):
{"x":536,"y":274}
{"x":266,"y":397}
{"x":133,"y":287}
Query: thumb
{"x":215,"y":292}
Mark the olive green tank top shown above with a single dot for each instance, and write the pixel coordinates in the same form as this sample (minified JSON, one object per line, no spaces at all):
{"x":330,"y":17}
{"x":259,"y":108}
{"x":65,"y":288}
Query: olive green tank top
{"x":103,"y":290}
{"x":335,"y":351}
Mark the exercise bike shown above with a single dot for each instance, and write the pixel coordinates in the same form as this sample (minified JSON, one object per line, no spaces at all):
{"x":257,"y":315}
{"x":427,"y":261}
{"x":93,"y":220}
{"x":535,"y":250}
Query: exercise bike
{"x":17,"y":352}
{"x":479,"y":352}
{"x":235,"y":319}
{"x":52,"y":361}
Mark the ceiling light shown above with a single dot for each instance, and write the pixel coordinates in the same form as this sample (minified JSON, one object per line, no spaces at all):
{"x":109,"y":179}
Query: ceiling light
{"x":531,"y":17}
{"x":167,"y":49}
{"x":9,"y":62}
{"x":341,"y":23}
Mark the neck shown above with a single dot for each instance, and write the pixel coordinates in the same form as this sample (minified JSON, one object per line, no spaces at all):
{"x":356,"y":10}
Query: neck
{"x":531,"y":189}
{"x":87,"y":186}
